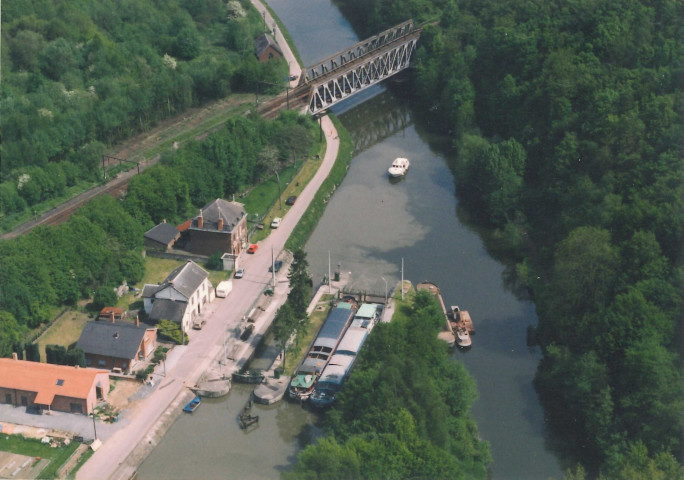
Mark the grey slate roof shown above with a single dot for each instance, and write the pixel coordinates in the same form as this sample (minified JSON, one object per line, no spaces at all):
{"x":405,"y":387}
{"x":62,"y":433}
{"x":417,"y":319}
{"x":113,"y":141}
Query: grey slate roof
{"x":119,"y":340}
{"x":163,"y":233}
{"x":163,"y":309}
{"x":231,"y":212}
{"x":263,"y":41}
{"x":150,"y":289}
{"x":186,"y":278}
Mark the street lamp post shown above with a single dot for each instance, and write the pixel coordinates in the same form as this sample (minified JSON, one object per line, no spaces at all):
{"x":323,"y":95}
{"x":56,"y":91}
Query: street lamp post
{"x":383,"y":279}
{"x":94,"y":427}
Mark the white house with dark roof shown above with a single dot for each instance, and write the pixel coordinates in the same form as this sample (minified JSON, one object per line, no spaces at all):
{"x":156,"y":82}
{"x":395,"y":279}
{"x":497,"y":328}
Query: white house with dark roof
{"x":221,"y":226}
{"x":180,"y":297}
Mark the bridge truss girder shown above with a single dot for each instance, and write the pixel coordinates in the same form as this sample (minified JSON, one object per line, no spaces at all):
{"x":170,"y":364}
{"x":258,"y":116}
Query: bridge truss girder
{"x":374,"y":69}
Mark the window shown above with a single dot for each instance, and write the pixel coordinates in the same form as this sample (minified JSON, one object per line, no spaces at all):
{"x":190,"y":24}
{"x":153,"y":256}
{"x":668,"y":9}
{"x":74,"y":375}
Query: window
{"x":8,"y":398}
{"x":102,"y":363}
{"x":76,"y":408}
{"x":24,"y":400}
{"x":60,"y":382}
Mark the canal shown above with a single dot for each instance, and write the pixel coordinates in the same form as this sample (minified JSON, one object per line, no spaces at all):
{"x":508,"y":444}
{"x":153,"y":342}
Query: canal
{"x":369,"y":226}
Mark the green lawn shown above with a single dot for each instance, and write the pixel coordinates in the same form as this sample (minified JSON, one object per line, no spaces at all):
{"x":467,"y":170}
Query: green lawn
{"x":295,"y":355}
{"x":33,"y":448}
{"x":65,"y":330}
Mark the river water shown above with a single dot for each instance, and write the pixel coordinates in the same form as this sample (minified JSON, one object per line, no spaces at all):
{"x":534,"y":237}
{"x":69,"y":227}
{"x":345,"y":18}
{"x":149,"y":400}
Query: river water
{"x":369,"y":226}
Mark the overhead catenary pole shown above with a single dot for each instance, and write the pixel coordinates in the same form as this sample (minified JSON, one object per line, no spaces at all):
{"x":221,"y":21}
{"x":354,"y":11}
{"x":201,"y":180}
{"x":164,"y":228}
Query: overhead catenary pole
{"x":273,"y":268}
{"x":329,"y":278}
{"x":402,"y":278}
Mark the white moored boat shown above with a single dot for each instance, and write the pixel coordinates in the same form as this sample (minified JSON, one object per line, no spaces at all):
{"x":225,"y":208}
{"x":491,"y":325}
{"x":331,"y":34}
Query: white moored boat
{"x":399,"y":167}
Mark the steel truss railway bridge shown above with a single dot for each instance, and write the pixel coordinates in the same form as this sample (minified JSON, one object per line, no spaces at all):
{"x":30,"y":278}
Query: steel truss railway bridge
{"x":350,"y":71}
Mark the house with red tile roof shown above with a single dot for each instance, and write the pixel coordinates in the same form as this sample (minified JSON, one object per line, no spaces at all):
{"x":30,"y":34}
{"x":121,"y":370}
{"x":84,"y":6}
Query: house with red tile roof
{"x":52,"y":387}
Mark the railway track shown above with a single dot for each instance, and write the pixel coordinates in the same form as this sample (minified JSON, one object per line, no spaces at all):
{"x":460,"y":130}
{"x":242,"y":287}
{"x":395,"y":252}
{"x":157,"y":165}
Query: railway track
{"x":297,"y":99}
{"x":62,"y":212}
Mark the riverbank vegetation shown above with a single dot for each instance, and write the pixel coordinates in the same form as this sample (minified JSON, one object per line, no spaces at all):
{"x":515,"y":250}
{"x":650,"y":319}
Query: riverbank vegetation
{"x":404,"y":411}
{"x":314,"y":212}
{"x":81,"y":76}
{"x":291,"y":325}
{"x":568,"y":121}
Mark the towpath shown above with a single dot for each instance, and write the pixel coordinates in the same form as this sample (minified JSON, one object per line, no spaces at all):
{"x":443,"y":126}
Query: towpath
{"x":120,"y":455}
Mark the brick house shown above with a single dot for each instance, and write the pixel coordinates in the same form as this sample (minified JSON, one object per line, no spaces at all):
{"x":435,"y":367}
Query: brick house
{"x":221,"y":226}
{"x":180,"y":297}
{"x":117,"y":345}
{"x":266,"y":48}
{"x":52,"y":387}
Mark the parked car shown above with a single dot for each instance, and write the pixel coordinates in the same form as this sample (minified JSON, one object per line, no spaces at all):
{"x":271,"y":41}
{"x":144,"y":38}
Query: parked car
{"x":247,"y":332}
{"x":293,"y":77}
{"x":291,"y":200}
{"x":276,"y":222}
{"x":199,"y":323}
{"x":239,"y":273}
{"x":252,"y":248}
{"x":277,"y":264}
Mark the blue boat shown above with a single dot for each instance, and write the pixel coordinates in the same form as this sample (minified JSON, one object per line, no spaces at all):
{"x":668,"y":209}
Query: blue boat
{"x":192,"y":405}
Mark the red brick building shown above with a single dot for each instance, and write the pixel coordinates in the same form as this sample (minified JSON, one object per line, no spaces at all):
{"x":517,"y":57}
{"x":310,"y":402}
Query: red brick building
{"x":221,"y":226}
{"x":113,"y":345}
{"x":52,"y":387}
{"x":266,"y":48}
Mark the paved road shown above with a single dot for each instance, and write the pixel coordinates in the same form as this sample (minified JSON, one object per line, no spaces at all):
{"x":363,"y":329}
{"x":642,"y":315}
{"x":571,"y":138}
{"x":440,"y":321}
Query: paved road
{"x":224,"y":319}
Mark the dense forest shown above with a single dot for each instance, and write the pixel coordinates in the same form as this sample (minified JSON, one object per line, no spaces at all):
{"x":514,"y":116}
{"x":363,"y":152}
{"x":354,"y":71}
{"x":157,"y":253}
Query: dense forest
{"x":80,"y":75}
{"x":404,"y":411}
{"x":568,"y":120}
{"x":100,"y":246}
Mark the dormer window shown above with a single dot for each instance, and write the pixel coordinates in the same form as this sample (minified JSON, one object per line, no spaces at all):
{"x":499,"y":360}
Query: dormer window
{"x":60,"y":382}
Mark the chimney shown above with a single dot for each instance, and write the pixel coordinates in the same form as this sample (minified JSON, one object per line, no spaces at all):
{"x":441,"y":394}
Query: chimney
{"x":14,"y":356}
{"x":220,"y":223}
{"x":111,"y":316}
{"x":137,"y":321}
{"x":200,"y":220}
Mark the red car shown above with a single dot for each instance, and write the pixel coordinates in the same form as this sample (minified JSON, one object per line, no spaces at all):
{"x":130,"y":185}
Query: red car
{"x":252,"y":248}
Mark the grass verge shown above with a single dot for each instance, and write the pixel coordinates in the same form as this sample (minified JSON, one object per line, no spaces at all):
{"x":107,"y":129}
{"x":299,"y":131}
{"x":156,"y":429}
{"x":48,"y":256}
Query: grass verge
{"x":84,"y":458}
{"x":64,"y":331}
{"x":309,"y":220}
{"x":301,"y":345}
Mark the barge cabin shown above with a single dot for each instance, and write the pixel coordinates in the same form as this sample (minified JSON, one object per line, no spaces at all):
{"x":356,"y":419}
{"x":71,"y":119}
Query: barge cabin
{"x":321,"y":350}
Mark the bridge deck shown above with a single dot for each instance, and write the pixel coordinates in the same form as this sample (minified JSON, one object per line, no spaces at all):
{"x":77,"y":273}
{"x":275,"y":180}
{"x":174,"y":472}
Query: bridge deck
{"x":349,"y":71}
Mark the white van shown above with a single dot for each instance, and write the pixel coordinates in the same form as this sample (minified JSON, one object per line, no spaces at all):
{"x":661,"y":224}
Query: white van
{"x":224,"y":288}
